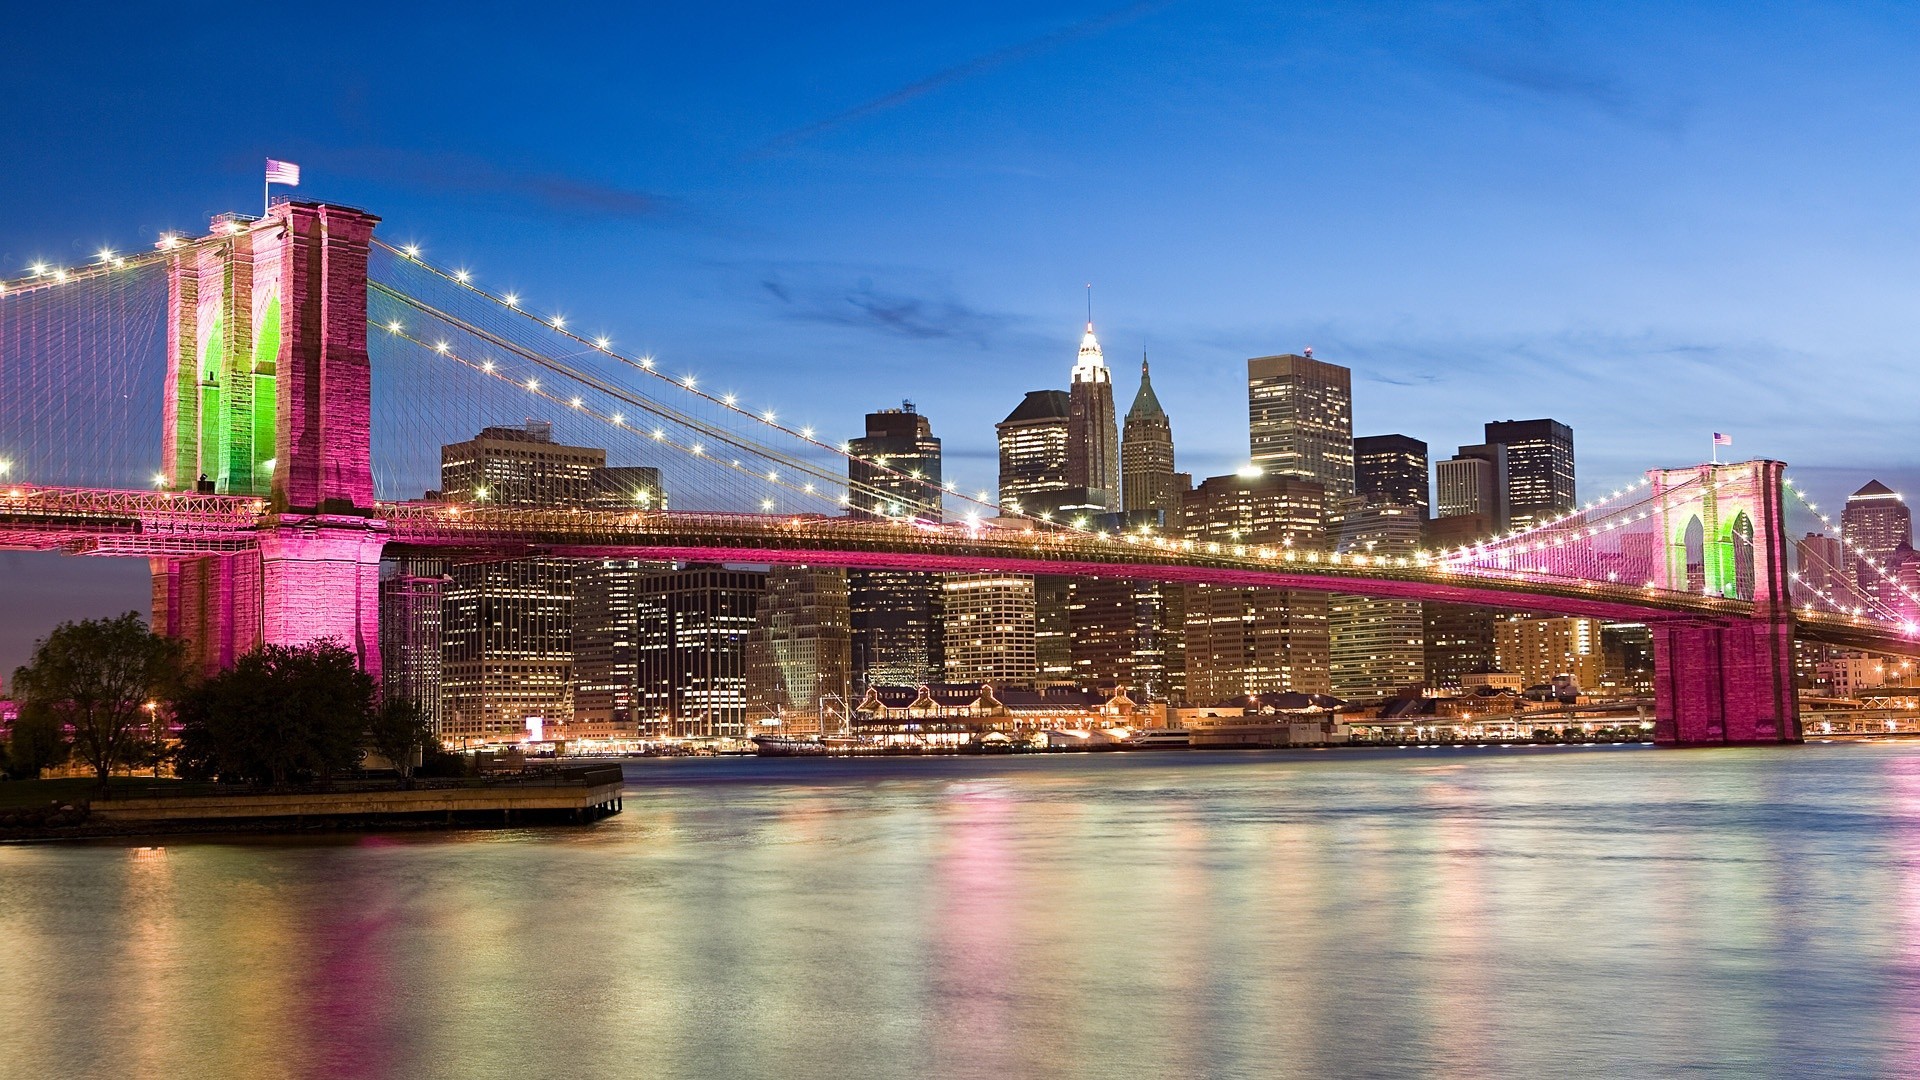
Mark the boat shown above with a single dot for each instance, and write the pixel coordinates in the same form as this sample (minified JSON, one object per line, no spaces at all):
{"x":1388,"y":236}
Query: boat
{"x":788,"y":746}
{"x":1161,"y":739}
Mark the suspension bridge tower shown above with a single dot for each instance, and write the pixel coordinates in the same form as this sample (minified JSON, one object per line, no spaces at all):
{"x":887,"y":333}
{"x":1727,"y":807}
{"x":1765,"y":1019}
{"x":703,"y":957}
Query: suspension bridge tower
{"x":268,"y":394}
{"x":1723,"y":531}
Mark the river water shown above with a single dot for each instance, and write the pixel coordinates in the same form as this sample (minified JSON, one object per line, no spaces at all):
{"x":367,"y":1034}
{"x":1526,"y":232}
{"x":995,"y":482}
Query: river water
{"x":1443,"y":912}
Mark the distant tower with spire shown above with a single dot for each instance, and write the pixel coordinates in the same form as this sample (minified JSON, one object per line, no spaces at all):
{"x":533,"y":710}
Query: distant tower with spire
{"x":1146,"y":455}
{"x":1093,"y":437}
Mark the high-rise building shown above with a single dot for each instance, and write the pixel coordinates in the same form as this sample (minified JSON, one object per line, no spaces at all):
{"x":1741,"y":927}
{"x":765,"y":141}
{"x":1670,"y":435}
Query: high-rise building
{"x":1376,"y":646}
{"x":410,"y":632}
{"x":606,"y":657}
{"x":1147,"y":479}
{"x":627,"y":487}
{"x":988,"y":629}
{"x":800,"y":653}
{"x":1474,"y":482}
{"x":507,"y":633}
{"x":1249,"y":641}
{"x":1541,"y":650}
{"x":1300,"y":421}
{"x":1539,"y":468}
{"x":690,"y":631}
{"x":1458,"y":637}
{"x":1034,"y":453}
{"x":894,"y":469}
{"x":1093,"y":440}
{"x":1391,"y":468}
{"x":1821,"y":562}
{"x":1874,"y":524}
{"x":895,"y":614}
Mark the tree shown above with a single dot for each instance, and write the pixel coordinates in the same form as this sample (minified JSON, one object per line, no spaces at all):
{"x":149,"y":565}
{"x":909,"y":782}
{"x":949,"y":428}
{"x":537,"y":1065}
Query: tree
{"x":400,"y":730}
{"x":38,"y":742}
{"x":283,"y":713}
{"x":93,"y":679}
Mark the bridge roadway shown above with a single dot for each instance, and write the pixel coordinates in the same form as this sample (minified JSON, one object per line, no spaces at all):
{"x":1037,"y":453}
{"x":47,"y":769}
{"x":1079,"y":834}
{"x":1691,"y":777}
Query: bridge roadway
{"x":183,"y":525}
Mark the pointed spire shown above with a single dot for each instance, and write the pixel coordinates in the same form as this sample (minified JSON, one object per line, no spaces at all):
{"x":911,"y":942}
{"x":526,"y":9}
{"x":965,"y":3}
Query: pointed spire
{"x":1145,"y":403}
{"x":1092,"y":366}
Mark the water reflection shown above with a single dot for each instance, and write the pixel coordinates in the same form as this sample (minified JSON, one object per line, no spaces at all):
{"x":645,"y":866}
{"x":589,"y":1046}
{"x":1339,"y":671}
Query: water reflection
{"x":1435,"y":913}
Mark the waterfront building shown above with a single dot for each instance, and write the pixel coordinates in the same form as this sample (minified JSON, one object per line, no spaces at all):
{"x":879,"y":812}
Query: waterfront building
{"x":1376,"y":646}
{"x":1300,"y":422}
{"x":411,"y":621}
{"x":1252,"y":641}
{"x":987,"y":629}
{"x":606,"y":660}
{"x":1474,"y":483}
{"x":1093,"y":440}
{"x":690,"y":632}
{"x":1541,"y":650}
{"x":1873,"y":525}
{"x":1458,"y":637}
{"x":1391,"y":468}
{"x":1540,"y":475}
{"x":1148,"y":481}
{"x":507,"y":626}
{"x":800,"y":654}
{"x":895,"y":614}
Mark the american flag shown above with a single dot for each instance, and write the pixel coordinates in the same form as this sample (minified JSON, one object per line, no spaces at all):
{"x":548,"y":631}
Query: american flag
{"x":1722,"y":440}
{"x":283,"y":172}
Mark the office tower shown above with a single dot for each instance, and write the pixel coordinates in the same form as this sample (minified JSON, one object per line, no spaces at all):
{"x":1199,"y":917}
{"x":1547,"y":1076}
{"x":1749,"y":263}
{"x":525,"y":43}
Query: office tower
{"x":987,"y":629}
{"x":1250,"y":641}
{"x":1629,"y":654}
{"x":1034,"y":454}
{"x":519,"y":466}
{"x":410,"y":633}
{"x":894,"y":469}
{"x":1458,"y":637}
{"x":1376,"y":646}
{"x":1821,"y":562}
{"x":800,"y":654}
{"x":1147,"y":479}
{"x":895,"y":614}
{"x":606,"y":659}
{"x":1300,"y":422}
{"x":1391,"y":468}
{"x":1539,"y":468}
{"x":690,"y":630}
{"x":1093,"y":440}
{"x":1474,"y":482}
{"x":1053,"y":601}
{"x":1873,"y":525}
{"x":626,"y":487}
{"x":507,"y":652}
{"x":1542,"y":650}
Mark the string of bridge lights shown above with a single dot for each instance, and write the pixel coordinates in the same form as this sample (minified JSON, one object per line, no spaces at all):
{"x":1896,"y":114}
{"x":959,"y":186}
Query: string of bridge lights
{"x":687,"y":383}
{"x":1835,"y":532}
{"x":42,"y":274}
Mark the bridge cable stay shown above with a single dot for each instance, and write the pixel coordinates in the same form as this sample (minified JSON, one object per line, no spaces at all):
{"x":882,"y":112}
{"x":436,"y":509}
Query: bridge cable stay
{"x":1615,"y":540}
{"x":1887,"y":609}
{"x":601,"y":348}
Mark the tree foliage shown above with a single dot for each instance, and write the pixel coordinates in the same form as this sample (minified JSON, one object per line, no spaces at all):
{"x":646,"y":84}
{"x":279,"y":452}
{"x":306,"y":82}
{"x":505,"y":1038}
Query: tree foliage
{"x":93,"y":680}
{"x":399,"y":731}
{"x":284,"y":713}
{"x":38,"y":741}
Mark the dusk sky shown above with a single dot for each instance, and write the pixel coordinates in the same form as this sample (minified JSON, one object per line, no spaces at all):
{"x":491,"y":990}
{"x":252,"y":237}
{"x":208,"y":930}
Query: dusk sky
{"x":1649,"y":221}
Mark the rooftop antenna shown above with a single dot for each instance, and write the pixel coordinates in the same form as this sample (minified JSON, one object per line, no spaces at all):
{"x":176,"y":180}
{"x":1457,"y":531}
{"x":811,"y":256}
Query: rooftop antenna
{"x":1089,"y":305}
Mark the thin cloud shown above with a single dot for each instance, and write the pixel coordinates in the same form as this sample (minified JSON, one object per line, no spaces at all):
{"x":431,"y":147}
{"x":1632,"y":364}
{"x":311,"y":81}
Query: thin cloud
{"x":891,"y":313}
{"x":960,"y":72}
{"x":476,"y":177}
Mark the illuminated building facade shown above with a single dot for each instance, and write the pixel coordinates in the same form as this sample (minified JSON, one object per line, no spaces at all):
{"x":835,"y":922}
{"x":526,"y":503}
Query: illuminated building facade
{"x":988,"y":630}
{"x":690,"y":635}
{"x":800,"y":654}
{"x":1539,"y":468}
{"x":1148,"y":481}
{"x":895,"y":614}
{"x":1034,"y":457}
{"x":1300,"y":421}
{"x":1093,"y":440}
{"x":1242,"y":641}
{"x":1540,"y":649}
{"x":1391,"y":469}
{"x":1376,"y":647}
{"x":411,"y":630}
{"x":1873,"y":525}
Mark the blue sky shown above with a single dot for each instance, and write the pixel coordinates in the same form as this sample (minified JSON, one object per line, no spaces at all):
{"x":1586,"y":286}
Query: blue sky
{"x":1650,"y":221}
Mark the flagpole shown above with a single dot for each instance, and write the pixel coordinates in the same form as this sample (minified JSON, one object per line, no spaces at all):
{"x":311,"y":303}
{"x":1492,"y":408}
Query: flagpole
{"x":1716,"y":449}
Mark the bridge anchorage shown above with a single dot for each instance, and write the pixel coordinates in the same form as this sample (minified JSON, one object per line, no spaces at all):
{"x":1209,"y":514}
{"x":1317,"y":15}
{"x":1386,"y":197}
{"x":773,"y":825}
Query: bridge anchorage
{"x":263,"y":524}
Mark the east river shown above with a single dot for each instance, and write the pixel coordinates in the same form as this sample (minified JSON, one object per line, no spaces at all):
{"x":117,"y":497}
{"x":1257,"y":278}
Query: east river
{"x":1513,"y":912}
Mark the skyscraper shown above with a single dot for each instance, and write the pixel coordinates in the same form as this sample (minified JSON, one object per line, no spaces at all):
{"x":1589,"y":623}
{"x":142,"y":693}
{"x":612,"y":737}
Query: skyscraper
{"x":410,"y":632}
{"x":895,"y":614}
{"x":1391,"y":468}
{"x":1541,"y":650}
{"x":690,"y":631}
{"x":1821,"y":562}
{"x":1093,"y":440}
{"x":1874,"y":524}
{"x":1300,"y":421}
{"x":800,"y":653}
{"x":1474,"y":482}
{"x":1249,"y":641}
{"x":1147,"y":479}
{"x":1034,"y":442}
{"x":987,"y":629}
{"x":507,"y":628}
{"x":1539,"y":468}
{"x":1376,"y":646}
